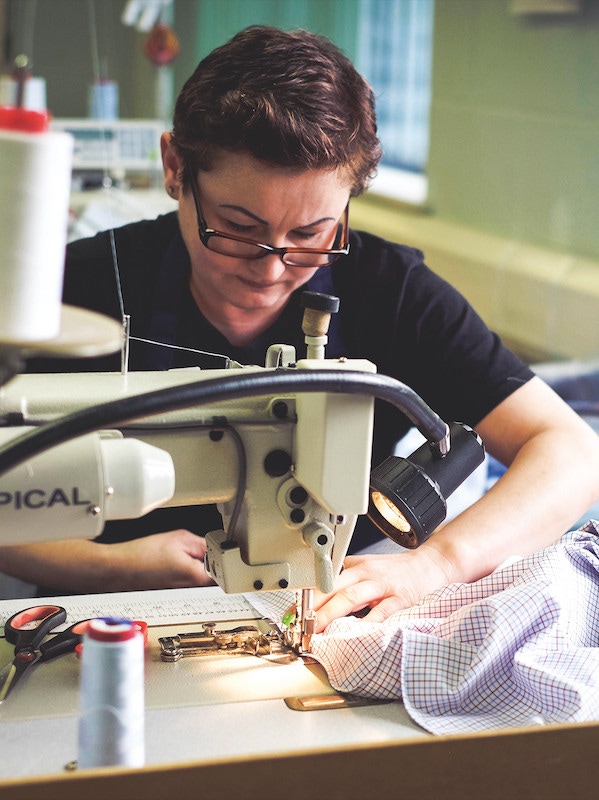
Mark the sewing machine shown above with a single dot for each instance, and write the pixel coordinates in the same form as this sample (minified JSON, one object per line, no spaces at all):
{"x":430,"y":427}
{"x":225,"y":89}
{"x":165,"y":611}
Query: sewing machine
{"x":284,"y":451}
{"x":240,"y":749}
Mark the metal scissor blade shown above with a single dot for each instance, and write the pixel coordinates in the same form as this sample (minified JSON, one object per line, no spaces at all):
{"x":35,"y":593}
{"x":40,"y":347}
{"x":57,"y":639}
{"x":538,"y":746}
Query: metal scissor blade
{"x":6,"y":679}
{"x":13,"y":671}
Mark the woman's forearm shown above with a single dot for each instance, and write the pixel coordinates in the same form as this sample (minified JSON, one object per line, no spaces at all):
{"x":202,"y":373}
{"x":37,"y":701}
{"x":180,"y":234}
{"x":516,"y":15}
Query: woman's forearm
{"x":552,"y":481}
{"x":74,"y":565}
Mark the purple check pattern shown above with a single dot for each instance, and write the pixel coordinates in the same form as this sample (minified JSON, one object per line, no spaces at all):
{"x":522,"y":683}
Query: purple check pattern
{"x":517,"y":648}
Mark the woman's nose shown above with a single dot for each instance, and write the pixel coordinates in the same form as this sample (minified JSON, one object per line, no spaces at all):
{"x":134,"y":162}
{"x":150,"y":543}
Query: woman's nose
{"x":268,"y":268}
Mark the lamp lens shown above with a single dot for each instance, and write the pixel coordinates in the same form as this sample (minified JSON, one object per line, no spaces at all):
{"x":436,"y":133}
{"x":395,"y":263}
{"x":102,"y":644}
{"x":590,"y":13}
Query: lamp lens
{"x":390,"y":512}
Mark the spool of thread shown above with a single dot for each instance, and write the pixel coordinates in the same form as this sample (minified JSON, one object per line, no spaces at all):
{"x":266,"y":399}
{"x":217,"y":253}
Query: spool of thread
{"x":34,"y":92}
{"x":35,"y":183}
{"x":111,"y":705}
{"x":104,"y":100}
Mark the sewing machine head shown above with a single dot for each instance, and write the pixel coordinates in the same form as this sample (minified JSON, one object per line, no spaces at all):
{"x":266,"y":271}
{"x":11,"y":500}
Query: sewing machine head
{"x":276,"y":465}
{"x":284,"y":451}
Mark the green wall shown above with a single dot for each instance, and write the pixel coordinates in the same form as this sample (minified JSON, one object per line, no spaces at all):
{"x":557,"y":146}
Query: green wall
{"x":515,"y":123}
{"x":515,"y":113}
{"x":514,"y":145}
{"x":205,"y":24}
{"x":67,"y":38}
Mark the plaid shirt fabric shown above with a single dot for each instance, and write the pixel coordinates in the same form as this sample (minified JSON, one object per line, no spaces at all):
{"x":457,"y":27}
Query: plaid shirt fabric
{"x":519,"y":647}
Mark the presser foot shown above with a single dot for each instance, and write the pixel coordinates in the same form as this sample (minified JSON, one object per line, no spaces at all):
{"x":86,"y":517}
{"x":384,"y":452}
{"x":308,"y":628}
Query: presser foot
{"x":298,"y":636}
{"x":242,"y":640}
{"x":298,"y":631}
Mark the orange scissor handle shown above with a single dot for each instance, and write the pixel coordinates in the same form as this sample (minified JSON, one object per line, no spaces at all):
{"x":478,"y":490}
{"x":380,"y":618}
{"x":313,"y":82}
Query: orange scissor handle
{"x":28,"y":628}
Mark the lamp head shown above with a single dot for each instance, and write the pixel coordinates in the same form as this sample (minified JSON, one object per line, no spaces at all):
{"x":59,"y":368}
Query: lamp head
{"x":408,"y":495}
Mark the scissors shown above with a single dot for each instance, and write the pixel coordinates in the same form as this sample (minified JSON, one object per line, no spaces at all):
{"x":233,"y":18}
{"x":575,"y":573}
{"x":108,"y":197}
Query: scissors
{"x":27,"y":630}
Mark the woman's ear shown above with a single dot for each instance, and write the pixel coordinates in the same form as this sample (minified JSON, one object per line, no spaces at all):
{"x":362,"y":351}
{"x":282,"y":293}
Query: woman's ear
{"x":171,"y":165}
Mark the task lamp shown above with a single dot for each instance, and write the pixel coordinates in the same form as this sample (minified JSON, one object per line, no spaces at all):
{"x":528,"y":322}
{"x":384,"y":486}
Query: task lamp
{"x":408,"y":495}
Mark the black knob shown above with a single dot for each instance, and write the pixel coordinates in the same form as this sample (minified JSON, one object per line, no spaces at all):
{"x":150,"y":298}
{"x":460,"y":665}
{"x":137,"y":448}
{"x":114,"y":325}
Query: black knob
{"x":320,"y":302}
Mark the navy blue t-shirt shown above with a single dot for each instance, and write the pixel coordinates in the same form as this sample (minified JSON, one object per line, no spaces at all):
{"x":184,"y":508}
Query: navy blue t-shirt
{"x":393,"y":311}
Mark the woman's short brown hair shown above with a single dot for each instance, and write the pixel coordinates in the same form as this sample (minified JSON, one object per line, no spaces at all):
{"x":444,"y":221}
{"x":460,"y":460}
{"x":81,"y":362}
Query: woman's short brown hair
{"x":287,"y":98}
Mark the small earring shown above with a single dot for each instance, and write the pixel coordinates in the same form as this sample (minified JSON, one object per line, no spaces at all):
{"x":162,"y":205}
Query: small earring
{"x":171,"y":190}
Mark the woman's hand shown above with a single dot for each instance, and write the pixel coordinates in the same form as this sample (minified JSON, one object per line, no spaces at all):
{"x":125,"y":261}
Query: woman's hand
{"x":171,"y":560}
{"x":161,"y":561}
{"x":383,"y":583}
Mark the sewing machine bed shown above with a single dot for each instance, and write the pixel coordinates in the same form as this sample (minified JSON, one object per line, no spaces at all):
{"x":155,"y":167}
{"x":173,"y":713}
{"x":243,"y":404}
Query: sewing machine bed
{"x":219,"y":726}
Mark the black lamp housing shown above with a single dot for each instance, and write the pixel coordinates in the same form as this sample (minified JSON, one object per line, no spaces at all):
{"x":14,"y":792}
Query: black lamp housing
{"x":408,"y":495}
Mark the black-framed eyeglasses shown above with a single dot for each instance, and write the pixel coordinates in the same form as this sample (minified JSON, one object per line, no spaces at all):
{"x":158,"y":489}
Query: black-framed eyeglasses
{"x":239,"y":247}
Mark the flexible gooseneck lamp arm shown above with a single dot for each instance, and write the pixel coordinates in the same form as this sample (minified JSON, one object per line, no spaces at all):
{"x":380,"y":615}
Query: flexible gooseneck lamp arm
{"x":118,"y":412}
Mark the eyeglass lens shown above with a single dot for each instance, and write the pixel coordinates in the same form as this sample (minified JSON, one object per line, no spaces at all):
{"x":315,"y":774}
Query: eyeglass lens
{"x":238,"y":249}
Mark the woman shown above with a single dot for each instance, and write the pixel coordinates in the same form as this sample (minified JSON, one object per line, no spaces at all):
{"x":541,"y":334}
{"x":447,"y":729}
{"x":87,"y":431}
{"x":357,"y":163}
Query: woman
{"x":273,"y":134}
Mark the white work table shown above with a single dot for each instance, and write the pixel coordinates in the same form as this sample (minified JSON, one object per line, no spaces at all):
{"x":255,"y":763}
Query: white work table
{"x":219,"y":727}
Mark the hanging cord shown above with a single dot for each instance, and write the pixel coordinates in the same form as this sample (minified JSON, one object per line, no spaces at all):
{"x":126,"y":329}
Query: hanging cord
{"x":221,"y":425}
